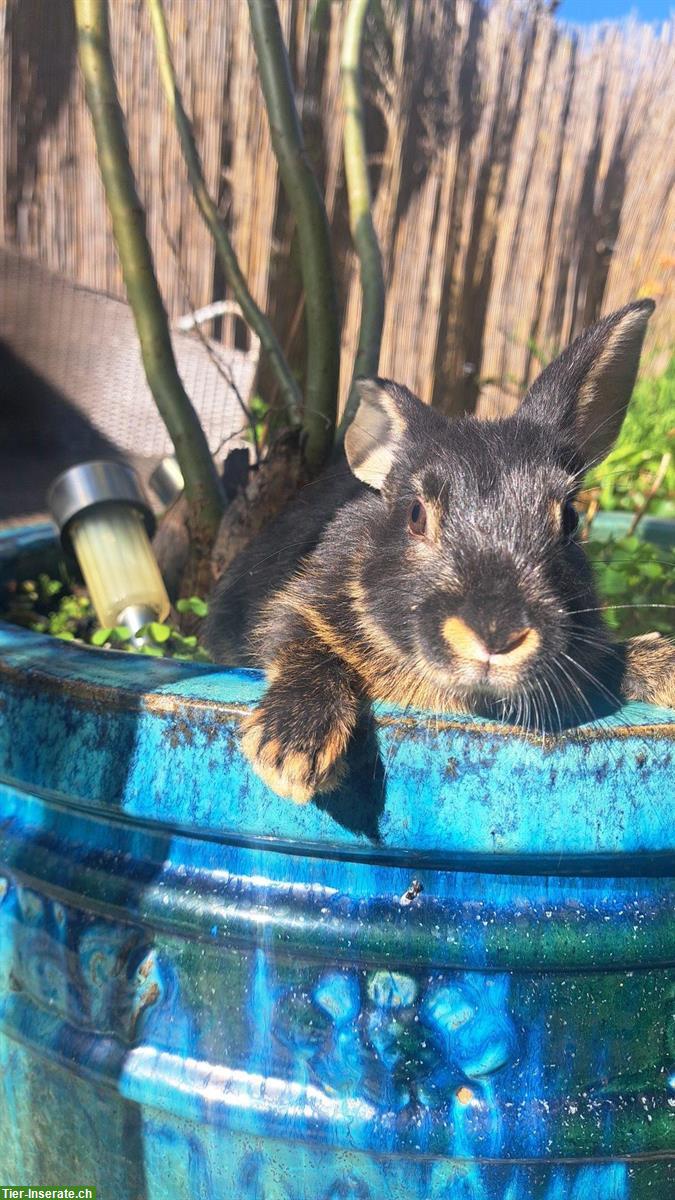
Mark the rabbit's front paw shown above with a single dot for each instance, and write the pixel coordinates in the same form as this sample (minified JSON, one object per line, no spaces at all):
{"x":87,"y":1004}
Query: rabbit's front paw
{"x":650,"y":670}
{"x":296,"y":752}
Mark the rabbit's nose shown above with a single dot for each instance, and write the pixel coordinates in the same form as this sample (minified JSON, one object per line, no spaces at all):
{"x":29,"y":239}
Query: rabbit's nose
{"x":496,"y":647}
{"x":506,"y":644}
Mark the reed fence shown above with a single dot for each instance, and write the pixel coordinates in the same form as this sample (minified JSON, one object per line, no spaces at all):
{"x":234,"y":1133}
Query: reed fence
{"x":522,"y":173}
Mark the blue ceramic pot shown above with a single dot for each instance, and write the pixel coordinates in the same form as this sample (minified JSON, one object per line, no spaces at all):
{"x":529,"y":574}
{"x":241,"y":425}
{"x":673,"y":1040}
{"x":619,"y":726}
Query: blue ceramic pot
{"x":451,"y":980}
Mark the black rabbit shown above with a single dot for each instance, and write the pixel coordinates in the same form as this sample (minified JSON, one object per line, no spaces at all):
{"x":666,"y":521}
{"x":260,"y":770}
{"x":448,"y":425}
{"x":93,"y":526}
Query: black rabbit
{"x":442,"y":572}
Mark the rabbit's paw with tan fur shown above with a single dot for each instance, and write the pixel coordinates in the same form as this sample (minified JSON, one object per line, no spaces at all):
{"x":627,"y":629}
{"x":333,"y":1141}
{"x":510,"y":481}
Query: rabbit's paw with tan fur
{"x":296,"y":738}
{"x":650,"y":670}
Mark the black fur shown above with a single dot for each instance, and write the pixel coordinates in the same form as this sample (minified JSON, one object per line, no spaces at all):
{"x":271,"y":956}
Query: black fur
{"x":270,"y":562}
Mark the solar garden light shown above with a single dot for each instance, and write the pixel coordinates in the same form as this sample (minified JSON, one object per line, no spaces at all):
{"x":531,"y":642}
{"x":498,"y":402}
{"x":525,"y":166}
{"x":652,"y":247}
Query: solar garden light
{"x":106,"y":523}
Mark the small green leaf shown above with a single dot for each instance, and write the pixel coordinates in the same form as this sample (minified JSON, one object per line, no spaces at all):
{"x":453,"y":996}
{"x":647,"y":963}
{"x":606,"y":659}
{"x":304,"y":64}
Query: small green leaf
{"x":100,"y":636}
{"x":50,"y":587}
{"x":612,"y":582}
{"x":122,"y":633}
{"x":651,"y":570}
{"x":159,"y":632}
{"x":151,"y":651}
{"x":185,"y":643}
{"x":193,"y":605}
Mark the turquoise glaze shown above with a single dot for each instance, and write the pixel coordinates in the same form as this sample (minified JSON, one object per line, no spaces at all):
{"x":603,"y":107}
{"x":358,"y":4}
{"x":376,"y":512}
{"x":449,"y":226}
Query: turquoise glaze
{"x":208,"y":992}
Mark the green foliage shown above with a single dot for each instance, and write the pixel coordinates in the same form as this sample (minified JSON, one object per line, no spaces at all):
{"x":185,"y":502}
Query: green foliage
{"x":633,"y":580}
{"x":41,"y":604}
{"x":172,"y":644}
{"x":259,"y":411}
{"x":165,"y":641}
{"x":194,"y":605}
{"x":44,"y":606}
{"x":110,"y":637}
{"x":624,"y":479}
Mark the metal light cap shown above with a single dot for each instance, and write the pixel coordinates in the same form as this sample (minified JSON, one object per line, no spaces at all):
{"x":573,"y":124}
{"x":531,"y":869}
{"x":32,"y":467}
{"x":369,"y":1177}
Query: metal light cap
{"x":91,"y":484}
{"x":167,"y":480}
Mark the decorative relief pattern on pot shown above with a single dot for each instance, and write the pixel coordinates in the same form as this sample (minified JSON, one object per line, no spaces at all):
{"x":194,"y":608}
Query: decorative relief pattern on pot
{"x":403,"y":1046}
{"x":74,"y":965}
{"x":457,"y":1063}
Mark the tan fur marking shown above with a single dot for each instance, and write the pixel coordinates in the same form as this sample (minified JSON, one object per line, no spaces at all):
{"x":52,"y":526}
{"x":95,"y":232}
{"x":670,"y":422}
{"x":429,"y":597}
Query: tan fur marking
{"x":374,"y":658}
{"x":462,"y":639}
{"x":556,"y":514}
{"x":434,"y":518}
{"x":650,"y":663}
{"x":333,"y":748}
{"x":466,"y":643}
{"x":322,"y":629}
{"x":409,"y":692}
{"x":612,"y":360}
{"x":251,"y":735}
{"x":386,"y":676}
{"x":296,"y":765}
{"x":293,"y":776}
{"x":374,"y":469}
{"x":376,"y":636}
{"x":288,"y":786}
{"x":269,"y":753}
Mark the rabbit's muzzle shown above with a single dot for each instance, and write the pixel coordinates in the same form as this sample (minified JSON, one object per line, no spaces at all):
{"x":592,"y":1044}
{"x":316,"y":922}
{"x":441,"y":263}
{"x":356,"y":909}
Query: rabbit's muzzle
{"x":495,"y":656}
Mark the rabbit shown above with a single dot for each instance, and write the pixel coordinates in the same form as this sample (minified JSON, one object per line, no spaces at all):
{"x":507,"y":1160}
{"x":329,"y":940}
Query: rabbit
{"x":438,"y":567}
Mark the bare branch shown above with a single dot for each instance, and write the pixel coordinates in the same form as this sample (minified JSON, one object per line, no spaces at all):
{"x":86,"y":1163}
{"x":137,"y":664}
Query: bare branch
{"x":202,"y":488}
{"x":316,"y":262}
{"x":253,"y":315}
{"x":360,"y":202}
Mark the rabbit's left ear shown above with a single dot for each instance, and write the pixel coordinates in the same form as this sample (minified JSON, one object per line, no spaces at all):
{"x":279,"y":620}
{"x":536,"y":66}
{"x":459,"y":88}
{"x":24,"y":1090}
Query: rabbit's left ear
{"x":585,"y":392}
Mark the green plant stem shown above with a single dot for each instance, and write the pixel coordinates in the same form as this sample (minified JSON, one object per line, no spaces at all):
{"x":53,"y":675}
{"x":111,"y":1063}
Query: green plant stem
{"x":209,"y":212}
{"x":202,"y":487}
{"x":360,"y":202}
{"x":321,"y":314}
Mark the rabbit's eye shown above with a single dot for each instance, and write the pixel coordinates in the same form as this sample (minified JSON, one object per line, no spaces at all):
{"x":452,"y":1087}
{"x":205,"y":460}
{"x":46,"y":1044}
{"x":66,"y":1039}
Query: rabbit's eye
{"x":570,"y":519}
{"x":417,"y":518}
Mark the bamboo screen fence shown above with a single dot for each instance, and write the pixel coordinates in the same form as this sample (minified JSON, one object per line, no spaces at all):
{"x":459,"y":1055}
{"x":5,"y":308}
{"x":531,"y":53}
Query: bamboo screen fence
{"x":523,"y":176}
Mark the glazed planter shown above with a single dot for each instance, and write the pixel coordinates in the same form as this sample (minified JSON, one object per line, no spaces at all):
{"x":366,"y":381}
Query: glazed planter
{"x":451,"y":980}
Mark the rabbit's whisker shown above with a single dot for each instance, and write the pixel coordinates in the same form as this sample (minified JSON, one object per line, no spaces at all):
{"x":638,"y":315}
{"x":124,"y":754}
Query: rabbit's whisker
{"x":606,"y":607}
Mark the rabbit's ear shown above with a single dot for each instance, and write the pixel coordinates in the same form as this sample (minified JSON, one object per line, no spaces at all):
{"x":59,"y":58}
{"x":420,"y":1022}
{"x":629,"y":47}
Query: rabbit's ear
{"x":378,"y":428}
{"x":585,"y":392}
